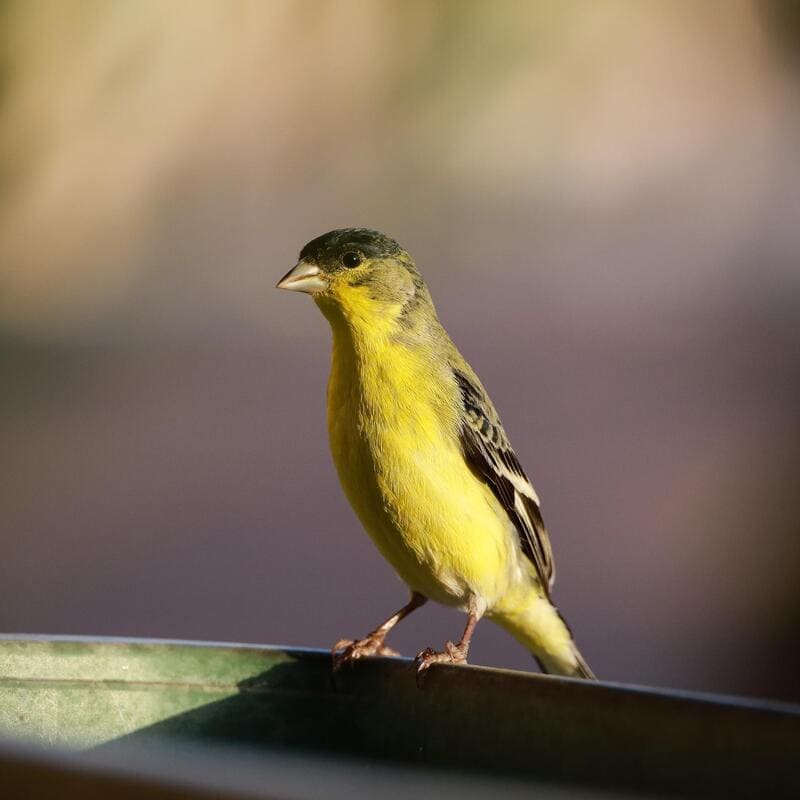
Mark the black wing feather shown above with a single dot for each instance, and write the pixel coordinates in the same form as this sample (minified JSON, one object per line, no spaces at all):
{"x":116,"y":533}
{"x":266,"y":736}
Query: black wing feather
{"x":490,"y":456}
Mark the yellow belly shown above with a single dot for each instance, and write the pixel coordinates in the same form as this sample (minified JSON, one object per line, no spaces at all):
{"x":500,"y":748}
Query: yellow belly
{"x":394,"y":442}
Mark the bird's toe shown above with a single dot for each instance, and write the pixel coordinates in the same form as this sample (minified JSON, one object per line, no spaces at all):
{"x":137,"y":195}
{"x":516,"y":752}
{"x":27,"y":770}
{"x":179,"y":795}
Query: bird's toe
{"x":456,"y":652}
{"x":349,"y":650}
{"x":452,"y":654}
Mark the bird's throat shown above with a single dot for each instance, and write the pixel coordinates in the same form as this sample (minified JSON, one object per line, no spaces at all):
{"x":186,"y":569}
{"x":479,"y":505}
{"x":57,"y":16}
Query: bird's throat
{"x":360,"y":322}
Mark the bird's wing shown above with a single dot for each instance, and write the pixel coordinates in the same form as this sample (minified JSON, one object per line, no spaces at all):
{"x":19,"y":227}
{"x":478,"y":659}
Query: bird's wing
{"x":490,"y":456}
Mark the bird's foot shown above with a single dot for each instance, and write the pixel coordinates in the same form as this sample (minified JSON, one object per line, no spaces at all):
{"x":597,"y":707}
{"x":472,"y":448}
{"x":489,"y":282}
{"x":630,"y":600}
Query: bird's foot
{"x":452,"y":654}
{"x":346,"y":651}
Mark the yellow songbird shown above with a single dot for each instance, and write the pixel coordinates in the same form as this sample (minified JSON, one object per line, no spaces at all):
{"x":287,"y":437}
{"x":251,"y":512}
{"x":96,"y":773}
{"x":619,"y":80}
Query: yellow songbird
{"x":423,"y":457}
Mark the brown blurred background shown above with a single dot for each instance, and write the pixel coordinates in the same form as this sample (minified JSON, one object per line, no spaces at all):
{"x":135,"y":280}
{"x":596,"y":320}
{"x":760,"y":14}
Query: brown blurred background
{"x":605,"y":200}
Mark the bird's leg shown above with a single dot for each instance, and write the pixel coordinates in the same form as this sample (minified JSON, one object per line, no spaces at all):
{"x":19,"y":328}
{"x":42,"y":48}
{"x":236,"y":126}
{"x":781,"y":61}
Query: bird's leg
{"x":373,"y":643}
{"x":453,"y":653}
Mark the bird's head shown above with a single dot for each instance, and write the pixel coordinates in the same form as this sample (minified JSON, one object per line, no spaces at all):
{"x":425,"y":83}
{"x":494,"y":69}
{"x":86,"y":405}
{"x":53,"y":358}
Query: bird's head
{"x":357,"y":273}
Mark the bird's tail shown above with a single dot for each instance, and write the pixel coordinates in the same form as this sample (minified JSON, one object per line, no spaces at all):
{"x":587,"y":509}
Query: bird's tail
{"x":573,"y":667}
{"x":536,"y":624}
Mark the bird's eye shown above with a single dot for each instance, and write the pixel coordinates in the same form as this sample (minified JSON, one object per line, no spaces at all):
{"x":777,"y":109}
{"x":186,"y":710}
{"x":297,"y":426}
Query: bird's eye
{"x":351,"y":260}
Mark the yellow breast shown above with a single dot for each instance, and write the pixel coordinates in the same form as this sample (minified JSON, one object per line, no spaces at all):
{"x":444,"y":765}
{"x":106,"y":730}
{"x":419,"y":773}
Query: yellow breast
{"x":393,"y":426}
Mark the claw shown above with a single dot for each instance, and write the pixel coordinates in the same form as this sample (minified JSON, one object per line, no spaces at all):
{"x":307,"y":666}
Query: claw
{"x":353,"y":649}
{"x":342,"y":644}
{"x":453,"y":654}
{"x":339,"y":657}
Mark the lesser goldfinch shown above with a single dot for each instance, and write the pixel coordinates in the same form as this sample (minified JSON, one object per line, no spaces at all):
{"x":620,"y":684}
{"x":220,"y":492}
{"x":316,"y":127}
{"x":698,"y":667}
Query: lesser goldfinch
{"x":423,"y":457}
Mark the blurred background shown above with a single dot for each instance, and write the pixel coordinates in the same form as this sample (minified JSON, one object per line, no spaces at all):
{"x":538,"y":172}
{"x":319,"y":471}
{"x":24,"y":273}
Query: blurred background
{"x":605,"y":200}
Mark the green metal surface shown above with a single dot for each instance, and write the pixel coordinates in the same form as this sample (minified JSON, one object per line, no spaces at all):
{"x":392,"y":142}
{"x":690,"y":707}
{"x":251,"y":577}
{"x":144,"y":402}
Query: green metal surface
{"x":80,"y":693}
{"x":112,"y":694}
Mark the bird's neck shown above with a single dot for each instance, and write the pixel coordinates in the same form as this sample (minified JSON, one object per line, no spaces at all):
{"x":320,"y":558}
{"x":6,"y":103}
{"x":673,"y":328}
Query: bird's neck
{"x":374,"y":374}
{"x":362,"y":327}
{"x":383,"y":379}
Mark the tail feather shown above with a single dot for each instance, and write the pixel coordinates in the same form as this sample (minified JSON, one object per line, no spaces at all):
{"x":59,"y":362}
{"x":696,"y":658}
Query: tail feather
{"x":583,"y":668}
{"x":538,"y":626}
{"x":574,"y":666}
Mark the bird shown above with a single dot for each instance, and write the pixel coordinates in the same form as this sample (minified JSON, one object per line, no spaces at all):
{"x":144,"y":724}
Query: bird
{"x":424,"y":459}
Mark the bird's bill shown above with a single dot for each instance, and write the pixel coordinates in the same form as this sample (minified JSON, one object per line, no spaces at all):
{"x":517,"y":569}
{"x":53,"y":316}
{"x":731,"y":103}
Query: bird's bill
{"x":304,"y":277}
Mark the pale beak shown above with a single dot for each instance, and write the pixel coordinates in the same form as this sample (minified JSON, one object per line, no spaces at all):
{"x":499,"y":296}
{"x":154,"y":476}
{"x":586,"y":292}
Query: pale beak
{"x":304,"y":277}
